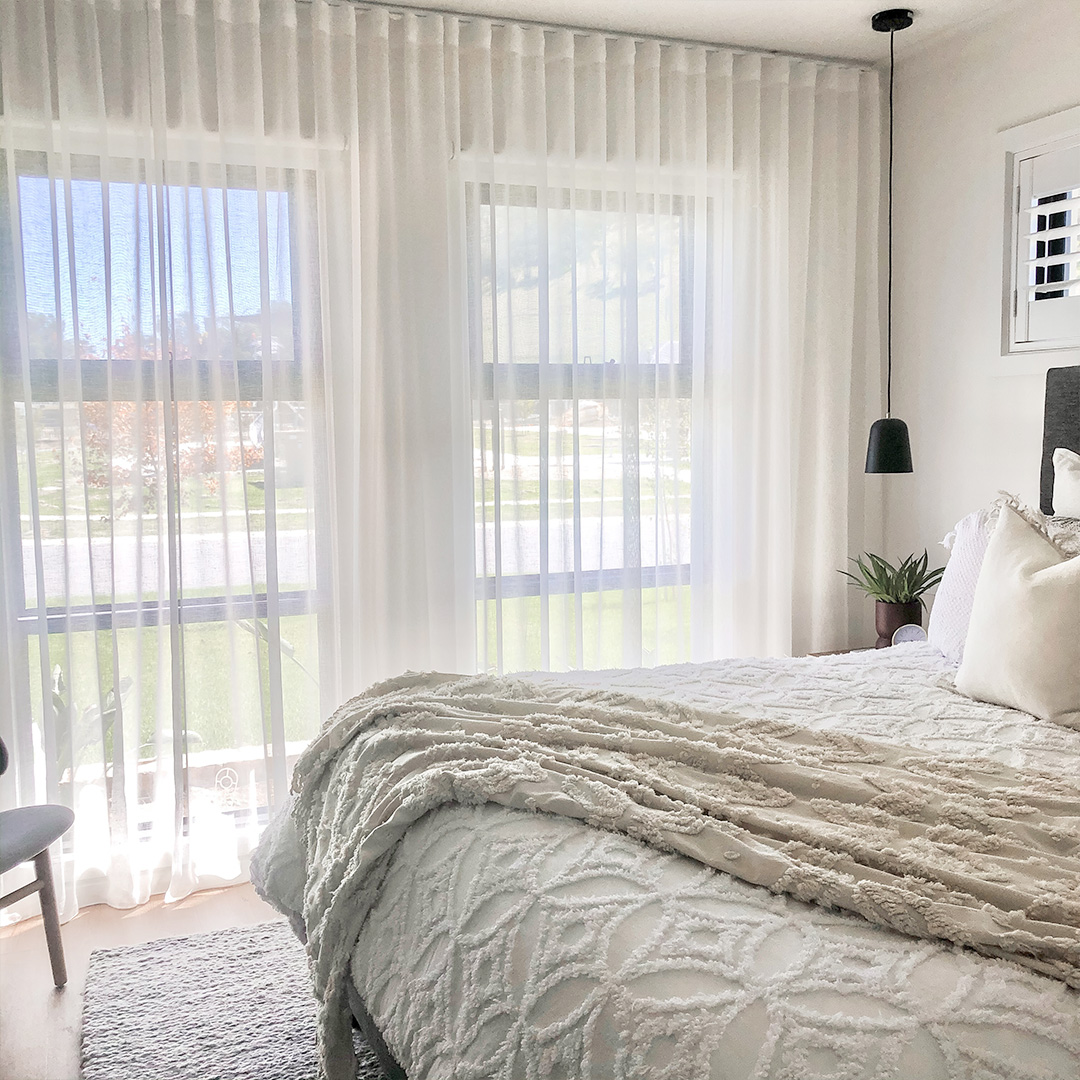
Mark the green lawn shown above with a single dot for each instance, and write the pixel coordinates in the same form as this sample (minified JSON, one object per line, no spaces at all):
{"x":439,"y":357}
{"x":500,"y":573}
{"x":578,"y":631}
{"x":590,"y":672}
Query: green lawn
{"x":222,"y":663}
{"x":62,"y":495}
{"x":665,"y":630}
{"x":521,"y":502}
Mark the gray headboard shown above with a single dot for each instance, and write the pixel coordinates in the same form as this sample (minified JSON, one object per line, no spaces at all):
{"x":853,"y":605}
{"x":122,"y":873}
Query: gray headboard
{"x":1061,"y":425}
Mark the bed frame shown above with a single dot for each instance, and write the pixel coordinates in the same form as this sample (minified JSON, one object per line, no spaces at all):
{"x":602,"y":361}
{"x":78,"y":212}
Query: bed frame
{"x":1061,"y":426}
{"x":369,"y":1029}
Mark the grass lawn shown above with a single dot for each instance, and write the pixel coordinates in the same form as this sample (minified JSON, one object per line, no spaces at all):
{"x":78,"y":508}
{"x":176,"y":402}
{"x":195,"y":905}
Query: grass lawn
{"x":65,"y":504}
{"x":224,"y":666}
{"x":665,"y":630}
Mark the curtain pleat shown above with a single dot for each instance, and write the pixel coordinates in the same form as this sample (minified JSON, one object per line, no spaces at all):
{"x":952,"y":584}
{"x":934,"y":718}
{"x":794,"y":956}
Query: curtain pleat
{"x":338,"y":341}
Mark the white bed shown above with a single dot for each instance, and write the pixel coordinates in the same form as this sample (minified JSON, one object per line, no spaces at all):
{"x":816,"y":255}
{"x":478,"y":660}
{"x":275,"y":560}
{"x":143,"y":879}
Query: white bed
{"x":507,"y":944}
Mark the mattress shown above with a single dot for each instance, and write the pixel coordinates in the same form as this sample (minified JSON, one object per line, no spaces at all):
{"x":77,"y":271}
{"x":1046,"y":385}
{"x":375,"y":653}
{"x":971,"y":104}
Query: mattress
{"x":509,"y":944}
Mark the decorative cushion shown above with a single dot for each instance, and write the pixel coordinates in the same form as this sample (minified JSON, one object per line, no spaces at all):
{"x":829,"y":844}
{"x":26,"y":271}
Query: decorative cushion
{"x":1066,"y":483}
{"x":1065,"y":532}
{"x":951,"y":610}
{"x":1023,"y":641}
{"x":966,"y":544}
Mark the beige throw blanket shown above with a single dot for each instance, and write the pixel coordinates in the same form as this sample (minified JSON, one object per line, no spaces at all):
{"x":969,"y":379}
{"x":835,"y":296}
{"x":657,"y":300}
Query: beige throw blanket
{"x":972,"y":852}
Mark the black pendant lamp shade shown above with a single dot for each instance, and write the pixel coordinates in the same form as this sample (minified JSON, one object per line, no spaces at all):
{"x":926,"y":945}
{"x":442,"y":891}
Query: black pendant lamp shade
{"x":889,"y":448}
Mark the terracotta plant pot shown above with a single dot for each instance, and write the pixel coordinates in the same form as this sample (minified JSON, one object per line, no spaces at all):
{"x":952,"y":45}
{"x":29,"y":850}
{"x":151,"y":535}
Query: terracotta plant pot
{"x":888,"y":618}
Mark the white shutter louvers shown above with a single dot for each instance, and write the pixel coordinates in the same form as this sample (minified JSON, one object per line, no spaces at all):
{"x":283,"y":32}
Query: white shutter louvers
{"x":1044,"y":291}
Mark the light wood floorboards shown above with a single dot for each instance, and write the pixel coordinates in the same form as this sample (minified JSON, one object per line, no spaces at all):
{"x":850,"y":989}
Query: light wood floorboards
{"x":39,"y":1025}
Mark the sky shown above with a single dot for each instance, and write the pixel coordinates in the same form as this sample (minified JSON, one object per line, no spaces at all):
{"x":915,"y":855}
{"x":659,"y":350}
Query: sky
{"x":120,"y":231}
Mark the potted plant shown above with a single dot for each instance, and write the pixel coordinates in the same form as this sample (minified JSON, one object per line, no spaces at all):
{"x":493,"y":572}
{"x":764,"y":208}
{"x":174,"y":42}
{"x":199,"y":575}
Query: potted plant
{"x":898,"y":590}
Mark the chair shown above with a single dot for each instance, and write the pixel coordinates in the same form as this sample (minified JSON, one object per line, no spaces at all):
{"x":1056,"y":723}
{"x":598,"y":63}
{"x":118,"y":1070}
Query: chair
{"x":25,"y":834}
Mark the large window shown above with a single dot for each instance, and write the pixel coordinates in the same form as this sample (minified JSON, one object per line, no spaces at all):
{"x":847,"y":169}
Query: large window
{"x":581,"y":306}
{"x":158,"y":519}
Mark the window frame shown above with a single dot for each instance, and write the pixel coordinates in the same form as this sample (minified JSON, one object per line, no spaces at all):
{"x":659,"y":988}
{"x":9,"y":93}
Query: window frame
{"x":137,"y":380}
{"x":1023,"y":144}
{"x":547,"y":381}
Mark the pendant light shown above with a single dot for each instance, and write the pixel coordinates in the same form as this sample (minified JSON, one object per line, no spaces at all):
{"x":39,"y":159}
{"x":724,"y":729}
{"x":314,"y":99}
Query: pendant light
{"x":889,"y":448}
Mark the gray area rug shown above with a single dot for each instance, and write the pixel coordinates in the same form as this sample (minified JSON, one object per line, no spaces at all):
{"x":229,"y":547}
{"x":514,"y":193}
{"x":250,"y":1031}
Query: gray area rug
{"x":232,"y":1005}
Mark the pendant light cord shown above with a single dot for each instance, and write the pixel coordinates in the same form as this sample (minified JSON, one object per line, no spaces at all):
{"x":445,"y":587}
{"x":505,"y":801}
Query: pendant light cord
{"x":888,"y":378}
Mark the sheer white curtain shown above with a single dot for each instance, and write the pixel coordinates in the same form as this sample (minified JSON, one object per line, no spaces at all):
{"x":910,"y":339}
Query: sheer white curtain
{"x":335,"y":341}
{"x":162,"y":378}
{"x":673,"y":340}
{"x":236,"y":486}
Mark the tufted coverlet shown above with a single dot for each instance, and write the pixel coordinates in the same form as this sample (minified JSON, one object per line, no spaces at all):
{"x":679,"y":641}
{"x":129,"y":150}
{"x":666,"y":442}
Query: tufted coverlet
{"x":969,"y":850}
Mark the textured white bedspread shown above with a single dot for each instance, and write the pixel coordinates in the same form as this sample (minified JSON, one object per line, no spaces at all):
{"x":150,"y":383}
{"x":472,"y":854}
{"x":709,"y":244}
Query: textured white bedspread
{"x":506,"y":944}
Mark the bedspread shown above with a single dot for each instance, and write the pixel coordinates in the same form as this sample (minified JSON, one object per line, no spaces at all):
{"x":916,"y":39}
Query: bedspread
{"x":969,"y":850}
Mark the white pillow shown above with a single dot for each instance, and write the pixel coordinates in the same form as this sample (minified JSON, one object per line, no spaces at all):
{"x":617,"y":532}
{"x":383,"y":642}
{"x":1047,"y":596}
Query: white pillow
{"x":1023,"y":643}
{"x":951,"y":610}
{"x":966,"y":544}
{"x":1066,"y":483}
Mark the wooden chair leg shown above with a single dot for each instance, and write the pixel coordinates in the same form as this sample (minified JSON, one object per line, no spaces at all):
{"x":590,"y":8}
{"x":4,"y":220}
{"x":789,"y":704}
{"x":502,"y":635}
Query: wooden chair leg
{"x":51,"y":917}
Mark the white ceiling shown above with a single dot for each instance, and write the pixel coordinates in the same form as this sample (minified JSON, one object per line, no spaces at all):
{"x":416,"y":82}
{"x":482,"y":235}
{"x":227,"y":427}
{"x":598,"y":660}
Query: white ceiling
{"x":828,"y":28}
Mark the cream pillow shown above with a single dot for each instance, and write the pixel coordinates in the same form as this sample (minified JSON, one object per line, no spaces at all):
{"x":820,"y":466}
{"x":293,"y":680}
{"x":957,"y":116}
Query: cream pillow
{"x":966,"y":545}
{"x":1066,"y":483}
{"x":1023,"y":641}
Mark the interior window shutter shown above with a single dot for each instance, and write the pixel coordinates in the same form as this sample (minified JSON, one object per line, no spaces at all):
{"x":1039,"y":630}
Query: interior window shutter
{"x":1047,"y":281}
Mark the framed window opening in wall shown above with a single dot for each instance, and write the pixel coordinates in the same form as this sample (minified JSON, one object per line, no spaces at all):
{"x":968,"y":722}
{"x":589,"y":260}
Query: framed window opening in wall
{"x":1041,"y":296}
{"x":581,"y":305}
{"x":159,"y":369}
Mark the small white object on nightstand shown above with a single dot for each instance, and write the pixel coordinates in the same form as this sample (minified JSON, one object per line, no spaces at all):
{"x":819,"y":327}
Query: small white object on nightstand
{"x":908,"y":632}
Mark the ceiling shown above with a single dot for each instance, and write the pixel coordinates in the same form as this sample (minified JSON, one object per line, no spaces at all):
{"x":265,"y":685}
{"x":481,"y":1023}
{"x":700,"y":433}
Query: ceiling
{"x":827,"y":28}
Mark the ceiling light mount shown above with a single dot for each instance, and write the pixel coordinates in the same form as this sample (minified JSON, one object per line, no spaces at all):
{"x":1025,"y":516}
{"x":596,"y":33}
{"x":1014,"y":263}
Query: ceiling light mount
{"x":886,"y":22}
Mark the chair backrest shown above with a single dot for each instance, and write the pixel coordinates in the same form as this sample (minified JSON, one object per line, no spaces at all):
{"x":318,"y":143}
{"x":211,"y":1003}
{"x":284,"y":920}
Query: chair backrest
{"x":3,"y":758}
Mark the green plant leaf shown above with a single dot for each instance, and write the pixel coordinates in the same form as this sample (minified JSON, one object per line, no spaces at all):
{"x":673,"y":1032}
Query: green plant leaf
{"x":901,"y":584}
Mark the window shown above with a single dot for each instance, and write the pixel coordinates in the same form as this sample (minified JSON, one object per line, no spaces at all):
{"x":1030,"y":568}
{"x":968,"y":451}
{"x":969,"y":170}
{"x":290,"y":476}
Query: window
{"x":1043,"y":293}
{"x":581,"y":306}
{"x":156,"y":386}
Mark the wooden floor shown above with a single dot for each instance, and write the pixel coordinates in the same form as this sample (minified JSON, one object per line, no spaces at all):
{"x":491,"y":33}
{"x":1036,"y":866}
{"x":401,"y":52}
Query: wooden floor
{"x":39,"y":1025}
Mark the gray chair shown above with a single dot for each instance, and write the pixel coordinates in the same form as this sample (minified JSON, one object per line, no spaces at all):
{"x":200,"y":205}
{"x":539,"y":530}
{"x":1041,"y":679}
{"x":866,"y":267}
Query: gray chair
{"x":25,"y":834}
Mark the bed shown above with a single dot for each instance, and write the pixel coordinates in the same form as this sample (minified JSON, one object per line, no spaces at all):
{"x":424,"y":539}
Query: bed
{"x":497,"y":941}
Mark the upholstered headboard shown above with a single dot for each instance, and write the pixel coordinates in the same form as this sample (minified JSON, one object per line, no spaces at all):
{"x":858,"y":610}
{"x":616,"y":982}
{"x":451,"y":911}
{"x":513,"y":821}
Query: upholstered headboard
{"x":1061,"y":425}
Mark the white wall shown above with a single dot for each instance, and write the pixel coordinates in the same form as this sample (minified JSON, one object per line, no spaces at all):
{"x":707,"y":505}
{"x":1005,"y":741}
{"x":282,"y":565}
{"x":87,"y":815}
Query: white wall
{"x":973,"y":429}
